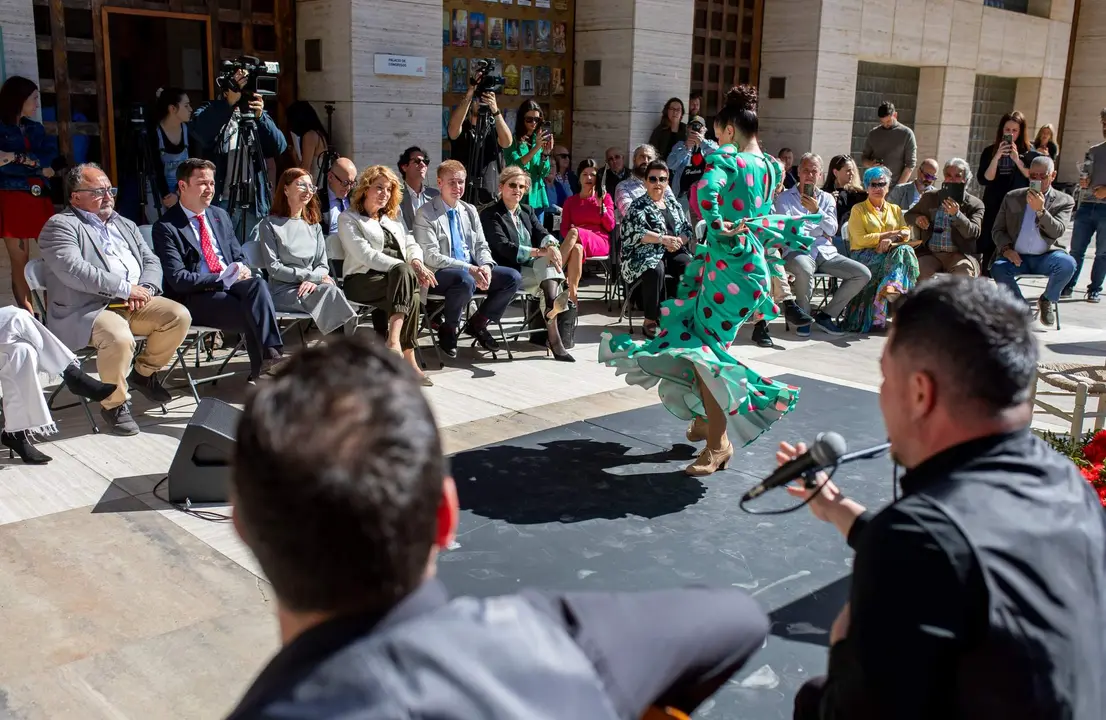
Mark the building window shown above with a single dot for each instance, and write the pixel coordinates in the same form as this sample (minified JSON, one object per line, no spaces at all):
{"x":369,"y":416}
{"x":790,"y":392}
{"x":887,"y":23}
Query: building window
{"x":993,"y":98}
{"x":1019,"y":6}
{"x":721,"y":27}
{"x":877,"y":83}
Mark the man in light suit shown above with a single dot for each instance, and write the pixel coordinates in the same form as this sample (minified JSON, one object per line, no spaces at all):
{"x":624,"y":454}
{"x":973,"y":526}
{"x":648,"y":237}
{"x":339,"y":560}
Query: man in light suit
{"x":206,"y":270}
{"x":413,"y":164}
{"x":1029,"y":237}
{"x":104,"y":287}
{"x":453,"y":246}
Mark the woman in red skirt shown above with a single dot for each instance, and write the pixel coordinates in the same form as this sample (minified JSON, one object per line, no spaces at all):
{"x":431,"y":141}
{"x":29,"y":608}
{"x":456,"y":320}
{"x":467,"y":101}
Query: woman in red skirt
{"x":26,"y":152}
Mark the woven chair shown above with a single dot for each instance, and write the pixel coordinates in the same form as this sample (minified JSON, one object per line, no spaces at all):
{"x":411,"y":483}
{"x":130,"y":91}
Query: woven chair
{"x":1078,"y":379}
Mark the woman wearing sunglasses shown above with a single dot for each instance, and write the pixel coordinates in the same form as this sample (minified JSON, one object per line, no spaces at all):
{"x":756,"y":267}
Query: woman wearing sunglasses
{"x":299,"y":274}
{"x":531,"y":151}
{"x":880,"y":239}
{"x":726,"y":284}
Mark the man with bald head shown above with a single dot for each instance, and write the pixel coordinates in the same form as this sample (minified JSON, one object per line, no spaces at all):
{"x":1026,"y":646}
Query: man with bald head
{"x":104,"y":285}
{"x":616,"y":170}
{"x":339,"y":183}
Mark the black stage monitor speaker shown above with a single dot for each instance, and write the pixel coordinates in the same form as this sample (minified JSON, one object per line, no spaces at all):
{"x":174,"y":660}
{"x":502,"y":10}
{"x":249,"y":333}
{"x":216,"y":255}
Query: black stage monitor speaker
{"x":201,"y":468}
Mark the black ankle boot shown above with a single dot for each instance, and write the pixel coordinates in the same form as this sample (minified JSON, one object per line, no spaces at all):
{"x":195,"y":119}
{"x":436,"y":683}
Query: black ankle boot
{"x":84,"y":385}
{"x":20,"y":444}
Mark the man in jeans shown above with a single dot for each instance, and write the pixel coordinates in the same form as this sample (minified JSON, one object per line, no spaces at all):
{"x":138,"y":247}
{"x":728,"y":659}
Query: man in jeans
{"x":1029,"y":237}
{"x":1090,"y":220}
{"x":806,"y":199}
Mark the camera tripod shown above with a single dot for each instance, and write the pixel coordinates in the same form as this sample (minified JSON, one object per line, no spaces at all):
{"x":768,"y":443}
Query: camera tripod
{"x":330,"y":155}
{"x":475,"y":193}
{"x":245,"y":165}
{"x":144,"y":166}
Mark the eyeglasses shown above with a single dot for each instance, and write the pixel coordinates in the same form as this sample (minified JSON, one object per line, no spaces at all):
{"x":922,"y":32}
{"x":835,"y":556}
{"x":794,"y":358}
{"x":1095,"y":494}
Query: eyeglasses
{"x":518,"y":186}
{"x":563,"y":155}
{"x":306,"y":187}
{"x":344,"y":183}
{"x":882,"y":184}
{"x":100,"y":192}
{"x":658,"y":179}
{"x":533,"y":119}
{"x":928,"y":177}
{"x":419,"y":161}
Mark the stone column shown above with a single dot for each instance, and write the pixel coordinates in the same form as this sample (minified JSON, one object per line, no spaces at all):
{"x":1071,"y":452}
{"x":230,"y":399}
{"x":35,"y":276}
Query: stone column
{"x":644,"y":51}
{"x":1086,"y":89}
{"x":376,"y":116}
{"x":17,"y":21}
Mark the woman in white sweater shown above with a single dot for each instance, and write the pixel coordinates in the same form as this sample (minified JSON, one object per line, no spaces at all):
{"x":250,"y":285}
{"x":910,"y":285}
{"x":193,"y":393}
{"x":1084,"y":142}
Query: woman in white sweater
{"x":383,"y":265}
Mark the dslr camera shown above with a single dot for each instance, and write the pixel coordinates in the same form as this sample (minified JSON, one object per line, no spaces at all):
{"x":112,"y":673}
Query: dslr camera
{"x":483,"y":79}
{"x":696,"y":126}
{"x":261,"y":79}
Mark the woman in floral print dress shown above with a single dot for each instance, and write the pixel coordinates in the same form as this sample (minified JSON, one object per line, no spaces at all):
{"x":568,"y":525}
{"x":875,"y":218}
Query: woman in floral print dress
{"x":726,"y":284}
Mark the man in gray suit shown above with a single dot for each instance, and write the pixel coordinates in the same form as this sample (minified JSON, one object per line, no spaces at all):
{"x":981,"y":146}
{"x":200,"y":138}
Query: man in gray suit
{"x":1029,"y":236}
{"x":453,"y":246}
{"x":413,"y":164}
{"x":104,"y":287}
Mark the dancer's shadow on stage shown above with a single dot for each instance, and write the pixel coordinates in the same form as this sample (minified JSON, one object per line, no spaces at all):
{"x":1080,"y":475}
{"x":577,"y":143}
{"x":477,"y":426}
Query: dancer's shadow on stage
{"x":570,"y":481}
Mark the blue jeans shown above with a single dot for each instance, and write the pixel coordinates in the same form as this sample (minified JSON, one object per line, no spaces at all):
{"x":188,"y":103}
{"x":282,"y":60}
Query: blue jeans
{"x":458,"y":287}
{"x":1057,"y":265}
{"x":1089,"y":220}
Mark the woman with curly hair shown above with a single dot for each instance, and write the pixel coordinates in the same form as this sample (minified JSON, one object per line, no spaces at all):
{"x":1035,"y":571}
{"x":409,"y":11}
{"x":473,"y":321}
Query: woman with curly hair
{"x":725,"y":284}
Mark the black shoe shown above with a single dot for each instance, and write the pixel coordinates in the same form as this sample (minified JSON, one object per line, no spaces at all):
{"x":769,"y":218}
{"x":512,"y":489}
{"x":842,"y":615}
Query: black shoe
{"x":1046,"y":311}
{"x":120,"y":420}
{"x":1094,"y":296}
{"x":84,"y":385}
{"x":270,"y":367}
{"x":795,"y":314}
{"x":20,"y":444}
{"x":149,"y":387}
{"x":761,"y":336}
{"x":480,"y":332}
{"x":555,"y":345}
{"x":1067,"y":292}
{"x":447,"y":341}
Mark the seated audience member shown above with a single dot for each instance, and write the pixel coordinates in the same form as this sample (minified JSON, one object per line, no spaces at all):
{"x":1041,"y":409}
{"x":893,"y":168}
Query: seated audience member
{"x":517,"y":240}
{"x":452,"y":240}
{"x":844,"y":184}
{"x":908,"y":194}
{"x":384,"y":264}
{"x":823,"y":256}
{"x":413,"y":164}
{"x":206,"y":270}
{"x":298,"y":271}
{"x":948,"y":229}
{"x":103,"y":289}
{"x":980,"y":592}
{"x":590,"y":212}
{"x":634,"y":186}
{"x":615,"y":170}
{"x":335,"y":199}
{"x":346,"y":503}
{"x":655,"y":236}
{"x":879,"y":239}
{"x":1029,"y":237}
{"x":26,"y":349}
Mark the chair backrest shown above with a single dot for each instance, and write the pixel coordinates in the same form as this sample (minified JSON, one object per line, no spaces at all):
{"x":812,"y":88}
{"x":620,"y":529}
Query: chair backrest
{"x":700,"y":231}
{"x":255,"y":254}
{"x":35,"y":275}
{"x":147,"y":234}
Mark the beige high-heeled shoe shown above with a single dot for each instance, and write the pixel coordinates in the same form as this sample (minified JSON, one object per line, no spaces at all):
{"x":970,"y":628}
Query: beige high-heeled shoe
{"x":697,"y":430}
{"x":560,"y":304}
{"x":710,"y":461}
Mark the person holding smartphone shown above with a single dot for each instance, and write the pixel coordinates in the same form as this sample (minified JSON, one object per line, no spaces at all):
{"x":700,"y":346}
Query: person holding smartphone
{"x":948,"y":222}
{"x":531,"y":151}
{"x":1003,"y":166}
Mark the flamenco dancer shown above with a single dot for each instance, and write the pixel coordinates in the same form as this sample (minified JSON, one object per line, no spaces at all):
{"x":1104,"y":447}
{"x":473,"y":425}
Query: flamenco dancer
{"x":726,"y":284}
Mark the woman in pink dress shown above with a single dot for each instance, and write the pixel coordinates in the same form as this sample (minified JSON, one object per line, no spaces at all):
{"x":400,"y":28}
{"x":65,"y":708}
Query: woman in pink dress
{"x":591,"y":212}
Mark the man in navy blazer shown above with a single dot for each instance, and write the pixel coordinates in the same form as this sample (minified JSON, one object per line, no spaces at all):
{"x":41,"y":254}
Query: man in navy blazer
{"x":205,"y":268}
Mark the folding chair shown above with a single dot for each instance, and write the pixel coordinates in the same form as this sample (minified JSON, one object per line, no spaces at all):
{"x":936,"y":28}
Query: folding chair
{"x":430,"y":318}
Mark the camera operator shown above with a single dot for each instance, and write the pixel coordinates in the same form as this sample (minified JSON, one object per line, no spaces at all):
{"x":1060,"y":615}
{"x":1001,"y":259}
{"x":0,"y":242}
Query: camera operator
{"x":981,"y":593}
{"x":215,"y":126}
{"x":463,"y":129}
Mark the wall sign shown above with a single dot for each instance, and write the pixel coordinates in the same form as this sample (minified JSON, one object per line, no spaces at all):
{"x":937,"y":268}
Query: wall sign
{"x":404,"y":65}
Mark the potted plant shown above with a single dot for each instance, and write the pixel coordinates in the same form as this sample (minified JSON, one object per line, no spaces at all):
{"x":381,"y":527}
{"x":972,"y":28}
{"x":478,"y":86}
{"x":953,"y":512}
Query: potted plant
{"x":1088,"y":452}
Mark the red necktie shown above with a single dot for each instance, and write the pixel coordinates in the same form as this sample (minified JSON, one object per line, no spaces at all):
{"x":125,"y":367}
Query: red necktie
{"x":208,"y":248}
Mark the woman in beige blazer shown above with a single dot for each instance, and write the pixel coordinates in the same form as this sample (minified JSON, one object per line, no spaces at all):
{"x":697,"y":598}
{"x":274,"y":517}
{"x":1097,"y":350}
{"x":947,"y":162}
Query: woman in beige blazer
{"x":383,"y":265}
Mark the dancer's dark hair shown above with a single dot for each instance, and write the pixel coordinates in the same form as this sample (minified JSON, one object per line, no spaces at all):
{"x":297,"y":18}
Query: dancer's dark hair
{"x":740,"y":111}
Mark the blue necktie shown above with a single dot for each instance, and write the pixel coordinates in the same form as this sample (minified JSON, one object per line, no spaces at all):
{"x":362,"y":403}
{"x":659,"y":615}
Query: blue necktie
{"x":458,"y":239}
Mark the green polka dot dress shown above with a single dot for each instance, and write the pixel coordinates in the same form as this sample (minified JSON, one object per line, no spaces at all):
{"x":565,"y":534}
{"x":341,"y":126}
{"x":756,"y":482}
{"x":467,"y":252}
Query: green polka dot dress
{"x":726,"y":284}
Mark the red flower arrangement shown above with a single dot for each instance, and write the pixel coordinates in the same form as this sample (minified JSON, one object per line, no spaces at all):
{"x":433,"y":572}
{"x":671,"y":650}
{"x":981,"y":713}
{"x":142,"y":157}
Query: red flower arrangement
{"x":1089,"y":455}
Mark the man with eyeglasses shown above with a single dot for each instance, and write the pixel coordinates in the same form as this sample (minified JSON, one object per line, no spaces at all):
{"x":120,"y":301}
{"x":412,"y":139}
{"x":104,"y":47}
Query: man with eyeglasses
{"x":1029,"y":237}
{"x":908,"y":194}
{"x":335,"y":200}
{"x":616,"y":170}
{"x":206,"y":269}
{"x":949,"y":222}
{"x":413,"y":164}
{"x":104,"y":288}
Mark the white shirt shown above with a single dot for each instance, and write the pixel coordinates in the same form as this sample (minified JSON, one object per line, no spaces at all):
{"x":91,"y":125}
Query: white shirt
{"x":418,"y":199}
{"x":211,"y":233}
{"x":790,"y":203}
{"x":117,"y":254}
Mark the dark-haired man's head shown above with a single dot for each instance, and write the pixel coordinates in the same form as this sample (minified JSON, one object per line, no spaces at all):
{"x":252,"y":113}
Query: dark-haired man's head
{"x":695,"y":103}
{"x":887,"y":114}
{"x":339,"y":487}
{"x":957,"y":366}
{"x":643,"y":155}
{"x":413,"y":164}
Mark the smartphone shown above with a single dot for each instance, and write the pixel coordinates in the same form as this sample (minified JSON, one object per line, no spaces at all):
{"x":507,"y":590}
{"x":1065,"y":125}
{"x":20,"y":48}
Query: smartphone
{"x":808,"y":189}
{"x":547,"y":128}
{"x":1008,"y":139}
{"x":953,"y":191}
{"x":1036,"y":185}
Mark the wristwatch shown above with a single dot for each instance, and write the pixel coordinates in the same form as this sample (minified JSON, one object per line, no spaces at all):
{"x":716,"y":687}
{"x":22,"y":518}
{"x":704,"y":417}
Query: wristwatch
{"x":497,"y":113}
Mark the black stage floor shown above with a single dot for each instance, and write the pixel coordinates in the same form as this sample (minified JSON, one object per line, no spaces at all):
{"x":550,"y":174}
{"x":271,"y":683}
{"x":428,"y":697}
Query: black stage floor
{"x":604,"y":505}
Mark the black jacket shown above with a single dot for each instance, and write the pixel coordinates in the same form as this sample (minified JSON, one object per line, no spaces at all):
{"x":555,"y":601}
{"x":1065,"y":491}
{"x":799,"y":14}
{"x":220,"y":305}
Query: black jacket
{"x":499,"y":231}
{"x":178,"y":248}
{"x":980,"y":594}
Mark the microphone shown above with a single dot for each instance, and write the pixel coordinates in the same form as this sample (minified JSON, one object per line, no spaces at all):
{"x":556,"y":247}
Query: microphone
{"x":827,"y":451}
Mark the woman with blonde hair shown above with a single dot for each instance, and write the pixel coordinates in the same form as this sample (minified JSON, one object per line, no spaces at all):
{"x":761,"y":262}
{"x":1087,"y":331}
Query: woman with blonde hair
{"x":299,"y":274}
{"x":1045,"y":143}
{"x":383,"y":265}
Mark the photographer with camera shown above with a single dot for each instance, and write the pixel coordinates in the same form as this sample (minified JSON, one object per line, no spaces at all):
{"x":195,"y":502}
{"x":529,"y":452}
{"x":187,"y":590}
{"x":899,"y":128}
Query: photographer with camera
{"x":234,"y":124}
{"x":470,"y":129}
{"x":687,"y":164}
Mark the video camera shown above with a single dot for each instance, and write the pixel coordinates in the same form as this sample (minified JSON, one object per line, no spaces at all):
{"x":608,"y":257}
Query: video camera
{"x":483,"y":79}
{"x":261,"y":79}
